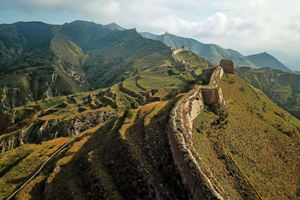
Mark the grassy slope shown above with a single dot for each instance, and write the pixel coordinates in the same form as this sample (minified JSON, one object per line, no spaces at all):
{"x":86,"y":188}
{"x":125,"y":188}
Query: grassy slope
{"x":49,"y":71}
{"x":14,"y":164}
{"x":155,"y":79}
{"x":127,"y":157}
{"x":70,"y":58}
{"x":254,"y":150}
{"x":150,"y":119}
{"x":283,"y":88}
{"x":112,"y":160}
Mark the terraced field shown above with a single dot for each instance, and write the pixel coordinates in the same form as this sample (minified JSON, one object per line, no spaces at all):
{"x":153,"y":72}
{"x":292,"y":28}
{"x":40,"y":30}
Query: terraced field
{"x":120,"y":146}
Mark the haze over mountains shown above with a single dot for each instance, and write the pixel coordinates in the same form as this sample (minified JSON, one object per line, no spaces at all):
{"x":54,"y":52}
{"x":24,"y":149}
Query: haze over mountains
{"x":211,"y":52}
{"x":266,"y":60}
{"x":214,"y":53}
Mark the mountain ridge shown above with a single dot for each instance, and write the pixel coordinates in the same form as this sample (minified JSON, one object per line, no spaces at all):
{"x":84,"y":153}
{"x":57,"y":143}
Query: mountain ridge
{"x":211,"y":52}
{"x":131,"y":119}
{"x":214,"y":52}
{"x":266,"y":60}
{"x":282,"y":87}
{"x":54,"y":60}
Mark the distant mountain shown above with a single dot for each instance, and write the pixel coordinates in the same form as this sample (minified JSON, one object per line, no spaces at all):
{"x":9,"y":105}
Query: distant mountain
{"x":267,"y":60}
{"x":211,"y":52}
{"x":282,"y":87}
{"x":114,"y":26}
{"x":155,"y":127}
{"x":40,"y":60}
{"x":296,"y":72}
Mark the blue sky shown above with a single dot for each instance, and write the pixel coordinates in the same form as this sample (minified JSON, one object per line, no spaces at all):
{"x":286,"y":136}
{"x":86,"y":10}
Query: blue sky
{"x":249,"y":26}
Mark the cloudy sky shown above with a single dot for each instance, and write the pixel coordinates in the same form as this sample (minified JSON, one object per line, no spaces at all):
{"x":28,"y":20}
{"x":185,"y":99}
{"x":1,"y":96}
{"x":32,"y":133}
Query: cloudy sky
{"x":249,"y":26}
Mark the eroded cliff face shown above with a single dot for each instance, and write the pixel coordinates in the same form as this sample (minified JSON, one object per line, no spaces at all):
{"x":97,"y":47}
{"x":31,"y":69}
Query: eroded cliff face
{"x":196,"y":176}
{"x":11,"y":141}
{"x":13,"y":97}
{"x":42,"y":129}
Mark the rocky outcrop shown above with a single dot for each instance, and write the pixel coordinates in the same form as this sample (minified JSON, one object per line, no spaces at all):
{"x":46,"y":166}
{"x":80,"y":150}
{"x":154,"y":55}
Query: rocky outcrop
{"x":13,"y":97}
{"x":11,"y":141}
{"x":196,"y":176}
{"x":49,"y":129}
{"x":42,"y":130}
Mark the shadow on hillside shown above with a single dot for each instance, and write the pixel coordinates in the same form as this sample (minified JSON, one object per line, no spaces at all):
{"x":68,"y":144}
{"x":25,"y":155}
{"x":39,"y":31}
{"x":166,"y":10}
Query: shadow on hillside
{"x":151,"y":176}
{"x":154,"y":149}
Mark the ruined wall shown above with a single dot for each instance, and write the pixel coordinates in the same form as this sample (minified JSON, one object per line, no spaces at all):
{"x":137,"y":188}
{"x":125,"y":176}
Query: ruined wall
{"x":176,"y":51}
{"x":212,"y":96}
{"x":196,"y":176}
{"x":227,"y":66}
{"x":216,"y":76}
{"x":212,"y":93}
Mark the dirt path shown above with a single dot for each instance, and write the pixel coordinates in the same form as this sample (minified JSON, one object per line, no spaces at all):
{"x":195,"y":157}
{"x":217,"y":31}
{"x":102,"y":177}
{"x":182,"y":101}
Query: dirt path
{"x":40,"y":169}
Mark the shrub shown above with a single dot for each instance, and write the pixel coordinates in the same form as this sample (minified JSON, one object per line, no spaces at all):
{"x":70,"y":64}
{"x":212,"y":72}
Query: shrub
{"x":5,"y":121}
{"x":81,"y":109}
{"x":173,"y":71}
{"x":134,"y":105}
{"x":264,"y":108}
{"x":129,"y":113}
{"x":216,"y":108}
{"x":222,"y":119}
{"x":242,"y":89}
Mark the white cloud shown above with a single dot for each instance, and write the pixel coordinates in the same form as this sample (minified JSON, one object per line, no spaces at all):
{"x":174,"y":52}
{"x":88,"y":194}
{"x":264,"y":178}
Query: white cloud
{"x":248,"y":26}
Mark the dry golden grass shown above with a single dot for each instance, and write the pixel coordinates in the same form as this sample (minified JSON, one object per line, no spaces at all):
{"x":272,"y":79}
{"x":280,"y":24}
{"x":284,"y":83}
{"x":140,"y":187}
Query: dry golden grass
{"x":36,"y":155}
{"x":260,"y":139}
{"x":23,"y":162}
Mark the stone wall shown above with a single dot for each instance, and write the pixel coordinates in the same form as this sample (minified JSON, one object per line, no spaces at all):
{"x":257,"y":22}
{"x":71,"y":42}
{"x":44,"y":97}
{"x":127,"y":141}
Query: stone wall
{"x":213,"y":95}
{"x":196,"y":176}
{"x":216,"y":76}
{"x":176,"y":51}
{"x":227,"y":66}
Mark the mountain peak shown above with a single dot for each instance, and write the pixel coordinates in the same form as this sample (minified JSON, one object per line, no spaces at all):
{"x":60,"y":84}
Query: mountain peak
{"x":81,"y":22}
{"x":265,"y":53}
{"x":267,"y":60}
{"x":114,"y":26}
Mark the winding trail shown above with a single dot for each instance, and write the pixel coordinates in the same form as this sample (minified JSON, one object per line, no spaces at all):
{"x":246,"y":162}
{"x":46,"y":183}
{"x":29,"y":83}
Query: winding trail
{"x":40,"y":169}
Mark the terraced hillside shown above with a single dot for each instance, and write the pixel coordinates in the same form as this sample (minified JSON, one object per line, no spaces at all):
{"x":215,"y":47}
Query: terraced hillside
{"x":120,"y":142}
{"x":128,"y":118}
{"x":108,"y":161}
{"x":40,"y":60}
